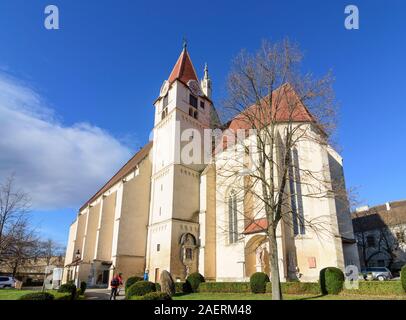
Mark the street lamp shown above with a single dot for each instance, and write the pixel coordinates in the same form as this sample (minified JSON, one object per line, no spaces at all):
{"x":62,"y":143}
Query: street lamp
{"x":77,"y":259}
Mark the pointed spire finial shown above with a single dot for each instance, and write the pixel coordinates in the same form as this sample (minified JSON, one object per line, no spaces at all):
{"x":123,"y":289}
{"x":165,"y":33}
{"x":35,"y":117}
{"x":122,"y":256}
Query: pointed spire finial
{"x":184,"y":43}
{"x":206,"y":71}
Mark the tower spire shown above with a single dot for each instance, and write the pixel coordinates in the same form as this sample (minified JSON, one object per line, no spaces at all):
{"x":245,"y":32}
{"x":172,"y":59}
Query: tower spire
{"x":183,"y":69}
{"x":206,"y":72}
{"x":184,"y":44}
{"x":206,"y":82}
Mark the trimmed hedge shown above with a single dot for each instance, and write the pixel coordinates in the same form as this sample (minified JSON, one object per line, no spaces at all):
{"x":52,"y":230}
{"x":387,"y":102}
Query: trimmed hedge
{"x":403,"y":277}
{"x":258,"y":282}
{"x":225,"y":287}
{"x":331,"y":280}
{"x":377,"y":288}
{"x":67,"y":287}
{"x":194,"y":280}
{"x":131,"y":280}
{"x":37,"y":296}
{"x":140,"y":288}
{"x":66,"y":296}
{"x":297,"y":287}
{"x":156,"y":296}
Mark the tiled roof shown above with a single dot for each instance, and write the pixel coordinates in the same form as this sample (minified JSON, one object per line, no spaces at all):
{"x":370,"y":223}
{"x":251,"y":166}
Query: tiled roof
{"x":183,"y":69}
{"x":379,"y":217}
{"x":125,"y":170}
{"x":258,"y":225}
{"x":286,"y":107}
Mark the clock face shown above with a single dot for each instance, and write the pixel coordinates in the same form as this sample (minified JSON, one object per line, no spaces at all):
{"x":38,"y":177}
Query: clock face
{"x":164,"y":89}
{"x":194,"y":87}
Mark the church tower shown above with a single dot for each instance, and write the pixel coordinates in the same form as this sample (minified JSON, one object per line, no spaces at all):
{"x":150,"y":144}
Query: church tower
{"x":182,"y":111}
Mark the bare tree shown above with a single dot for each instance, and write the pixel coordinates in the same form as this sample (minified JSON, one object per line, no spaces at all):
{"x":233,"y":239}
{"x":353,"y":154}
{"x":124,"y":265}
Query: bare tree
{"x":277,"y":108}
{"x":14,"y":207}
{"x":23,"y":248}
{"x":50,"y":250}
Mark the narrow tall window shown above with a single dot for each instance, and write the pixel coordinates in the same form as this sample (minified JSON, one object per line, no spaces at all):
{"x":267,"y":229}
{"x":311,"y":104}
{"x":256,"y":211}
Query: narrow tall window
{"x":193,"y":101}
{"x":296,"y":195}
{"x":164,"y":113}
{"x":232,"y":218}
{"x":189,"y":254}
{"x":165,"y":101}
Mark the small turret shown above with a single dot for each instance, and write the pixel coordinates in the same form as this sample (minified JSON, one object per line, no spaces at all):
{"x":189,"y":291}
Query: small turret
{"x":206,"y":82}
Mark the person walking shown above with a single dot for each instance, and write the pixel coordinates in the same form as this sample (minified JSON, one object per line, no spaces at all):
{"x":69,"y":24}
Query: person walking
{"x":114,"y":284}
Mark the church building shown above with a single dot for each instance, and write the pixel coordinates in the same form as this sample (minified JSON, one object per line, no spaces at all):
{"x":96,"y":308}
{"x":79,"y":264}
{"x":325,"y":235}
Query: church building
{"x":160,"y":212}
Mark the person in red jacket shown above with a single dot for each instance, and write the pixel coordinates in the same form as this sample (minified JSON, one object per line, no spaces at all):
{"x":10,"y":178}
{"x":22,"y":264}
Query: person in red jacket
{"x":114,"y":284}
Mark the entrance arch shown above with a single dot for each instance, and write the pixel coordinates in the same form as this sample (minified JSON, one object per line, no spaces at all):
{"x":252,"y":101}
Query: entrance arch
{"x":256,"y":255}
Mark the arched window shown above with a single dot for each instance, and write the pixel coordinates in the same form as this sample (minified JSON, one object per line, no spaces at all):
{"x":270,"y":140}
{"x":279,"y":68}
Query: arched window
{"x":232,"y":218}
{"x":296,"y":194}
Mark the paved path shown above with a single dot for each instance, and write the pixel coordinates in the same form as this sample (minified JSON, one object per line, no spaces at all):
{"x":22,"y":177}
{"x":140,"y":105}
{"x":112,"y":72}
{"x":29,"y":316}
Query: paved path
{"x":101,"y":294}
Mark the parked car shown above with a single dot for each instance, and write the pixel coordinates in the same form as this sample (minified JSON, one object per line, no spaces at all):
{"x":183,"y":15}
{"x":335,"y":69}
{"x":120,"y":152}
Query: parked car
{"x":7,"y":282}
{"x":377,"y":273}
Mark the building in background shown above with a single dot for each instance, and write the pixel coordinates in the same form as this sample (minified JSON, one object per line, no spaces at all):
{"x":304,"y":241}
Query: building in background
{"x":380,"y":232}
{"x":33,"y":271}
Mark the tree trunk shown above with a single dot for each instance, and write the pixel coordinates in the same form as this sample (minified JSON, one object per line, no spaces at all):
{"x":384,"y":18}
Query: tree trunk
{"x":274,"y":264}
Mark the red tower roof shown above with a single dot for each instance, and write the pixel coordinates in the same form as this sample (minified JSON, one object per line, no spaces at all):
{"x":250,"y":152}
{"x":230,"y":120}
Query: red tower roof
{"x":183,"y":69}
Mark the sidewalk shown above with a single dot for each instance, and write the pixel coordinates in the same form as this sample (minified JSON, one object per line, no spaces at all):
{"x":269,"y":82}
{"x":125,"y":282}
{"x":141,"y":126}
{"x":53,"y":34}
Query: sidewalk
{"x":101,"y":294}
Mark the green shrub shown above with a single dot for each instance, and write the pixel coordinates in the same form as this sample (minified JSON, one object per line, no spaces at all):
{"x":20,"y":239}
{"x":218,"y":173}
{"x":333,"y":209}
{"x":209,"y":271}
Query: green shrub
{"x":67,"y":287}
{"x":258,"y":282}
{"x":66,"y":296}
{"x":158,"y":287}
{"x":194,"y":280}
{"x":131,"y":280}
{"x":37,"y":296}
{"x":179,"y":287}
{"x":156,"y":296}
{"x":140,"y":288}
{"x":186,"y":287}
{"x":83,"y":286}
{"x":377,"y":288}
{"x":225,"y":287}
{"x":403,"y":277}
{"x":331,"y":280}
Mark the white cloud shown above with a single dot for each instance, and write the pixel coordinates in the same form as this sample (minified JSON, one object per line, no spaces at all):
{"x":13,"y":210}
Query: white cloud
{"x":59,"y":166}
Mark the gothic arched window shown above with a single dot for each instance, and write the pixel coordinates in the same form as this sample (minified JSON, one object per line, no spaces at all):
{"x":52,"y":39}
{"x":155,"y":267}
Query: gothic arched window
{"x":232,"y":218}
{"x":296,"y":194}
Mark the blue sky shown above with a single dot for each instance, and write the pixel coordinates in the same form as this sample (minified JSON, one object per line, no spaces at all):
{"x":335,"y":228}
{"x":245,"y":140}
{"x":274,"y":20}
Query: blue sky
{"x":91,"y":84}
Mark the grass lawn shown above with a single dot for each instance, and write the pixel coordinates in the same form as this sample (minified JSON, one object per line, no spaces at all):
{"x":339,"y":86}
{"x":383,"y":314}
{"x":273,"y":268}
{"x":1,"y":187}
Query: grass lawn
{"x":12,"y":294}
{"x":251,"y":296}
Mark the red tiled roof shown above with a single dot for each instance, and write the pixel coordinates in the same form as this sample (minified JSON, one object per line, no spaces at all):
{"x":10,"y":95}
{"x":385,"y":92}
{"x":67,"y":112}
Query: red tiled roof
{"x":125,"y":170}
{"x":258,"y":225}
{"x":183,"y":69}
{"x":286,"y":107}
